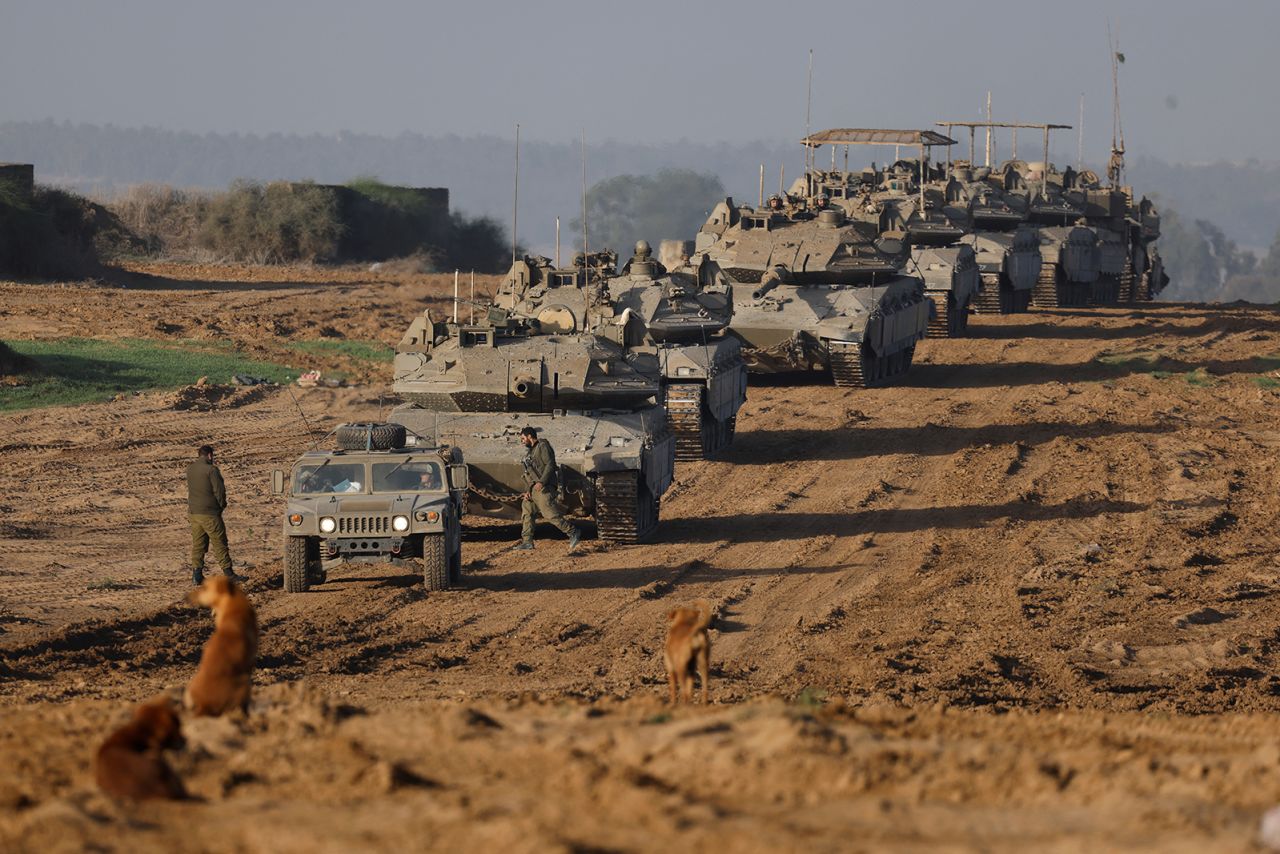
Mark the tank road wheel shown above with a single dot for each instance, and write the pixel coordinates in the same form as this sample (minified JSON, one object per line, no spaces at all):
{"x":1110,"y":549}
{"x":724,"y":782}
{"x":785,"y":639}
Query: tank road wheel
{"x":301,"y":556}
{"x":435,"y":562}
{"x":626,"y":512}
{"x":377,"y":437}
{"x":692,"y":425}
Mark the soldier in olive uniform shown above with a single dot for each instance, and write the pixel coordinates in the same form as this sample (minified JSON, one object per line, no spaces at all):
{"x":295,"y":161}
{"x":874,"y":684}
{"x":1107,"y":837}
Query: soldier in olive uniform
{"x":542,"y":476}
{"x":206,"y":499}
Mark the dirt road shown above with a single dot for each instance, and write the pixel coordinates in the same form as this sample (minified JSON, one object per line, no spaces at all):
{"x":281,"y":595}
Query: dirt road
{"x":1033,"y":594}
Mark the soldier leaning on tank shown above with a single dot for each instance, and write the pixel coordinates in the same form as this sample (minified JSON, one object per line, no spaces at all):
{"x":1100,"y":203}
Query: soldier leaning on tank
{"x":206,"y":499}
{"x":541,"y":475}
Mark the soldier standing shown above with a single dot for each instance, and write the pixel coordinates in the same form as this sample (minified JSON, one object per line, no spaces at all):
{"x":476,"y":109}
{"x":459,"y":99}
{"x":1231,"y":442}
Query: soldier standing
{"x":206,"y":499}
{"x":541,"y":476}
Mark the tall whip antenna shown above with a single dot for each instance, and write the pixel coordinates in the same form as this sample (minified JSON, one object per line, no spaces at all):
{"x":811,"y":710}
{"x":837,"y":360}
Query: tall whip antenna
{"x":809,"y":153}
{"x":584,"y":208}
{"x":1115,"y":168}
{"x":515,"y":200}
{"x":1080,"y":138}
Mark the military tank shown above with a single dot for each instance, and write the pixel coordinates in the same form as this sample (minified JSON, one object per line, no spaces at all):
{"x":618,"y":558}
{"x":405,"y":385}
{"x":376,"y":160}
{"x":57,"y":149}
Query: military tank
{"x":1009,"y":264}
{"x":952,"y":280}
{"x":669,"y":322}
{"x":814,"y":290}
{"x":473,"y":386}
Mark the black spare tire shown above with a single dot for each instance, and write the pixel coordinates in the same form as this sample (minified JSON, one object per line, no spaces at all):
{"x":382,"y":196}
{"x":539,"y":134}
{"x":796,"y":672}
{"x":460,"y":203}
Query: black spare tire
{"x":371,"y":435}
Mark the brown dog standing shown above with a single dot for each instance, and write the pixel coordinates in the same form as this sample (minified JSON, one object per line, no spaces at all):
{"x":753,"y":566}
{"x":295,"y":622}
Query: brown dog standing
{"x":224,"y":678}
{"x":130,"y":763}
{"x":687,"y":642}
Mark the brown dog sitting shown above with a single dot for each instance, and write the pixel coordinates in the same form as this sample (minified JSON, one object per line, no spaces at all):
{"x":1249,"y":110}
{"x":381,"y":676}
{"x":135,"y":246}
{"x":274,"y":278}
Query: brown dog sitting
{"x":130,"y":763}
{"x":224,"y":678}
{"x":687,"y":642}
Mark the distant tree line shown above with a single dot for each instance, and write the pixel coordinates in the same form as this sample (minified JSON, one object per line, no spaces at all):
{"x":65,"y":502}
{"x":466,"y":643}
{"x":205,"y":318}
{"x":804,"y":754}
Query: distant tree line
{"x":1204,"y":265}
{"x":54,"y":233}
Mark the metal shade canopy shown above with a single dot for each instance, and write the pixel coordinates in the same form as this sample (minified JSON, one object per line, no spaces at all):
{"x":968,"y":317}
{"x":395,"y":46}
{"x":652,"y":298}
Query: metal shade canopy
{"x":875,"y":136}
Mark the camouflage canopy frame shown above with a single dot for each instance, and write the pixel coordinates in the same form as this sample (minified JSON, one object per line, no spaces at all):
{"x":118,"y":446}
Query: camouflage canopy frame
{"x":924,"y":139}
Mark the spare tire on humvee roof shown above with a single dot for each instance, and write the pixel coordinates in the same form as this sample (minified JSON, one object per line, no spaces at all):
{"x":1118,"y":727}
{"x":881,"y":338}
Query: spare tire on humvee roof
{"x":371,"y":436}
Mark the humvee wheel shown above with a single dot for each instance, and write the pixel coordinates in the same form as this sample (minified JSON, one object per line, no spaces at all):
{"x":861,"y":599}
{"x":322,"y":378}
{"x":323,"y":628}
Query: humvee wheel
{"x":435,"y":562}
{"x":296,"y":563}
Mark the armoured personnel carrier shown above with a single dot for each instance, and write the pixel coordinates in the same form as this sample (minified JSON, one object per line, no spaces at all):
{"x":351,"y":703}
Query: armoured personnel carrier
{"x":475,"y":385}
{"x":952,"y":280}
{"x":373,"y":500}
{"x":669,"y":322}
{"x":1009,"y":263}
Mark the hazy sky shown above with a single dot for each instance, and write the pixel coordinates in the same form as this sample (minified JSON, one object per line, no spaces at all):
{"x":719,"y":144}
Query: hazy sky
{"x":1201,"y":79}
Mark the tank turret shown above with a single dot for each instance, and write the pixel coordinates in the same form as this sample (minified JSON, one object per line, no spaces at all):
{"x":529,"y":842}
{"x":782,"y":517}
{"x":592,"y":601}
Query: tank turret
{"x":475,"y":385}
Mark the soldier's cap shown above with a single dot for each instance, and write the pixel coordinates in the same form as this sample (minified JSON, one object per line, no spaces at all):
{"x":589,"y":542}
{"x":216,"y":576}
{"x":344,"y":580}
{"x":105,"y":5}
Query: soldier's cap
{"x":528,"y":431}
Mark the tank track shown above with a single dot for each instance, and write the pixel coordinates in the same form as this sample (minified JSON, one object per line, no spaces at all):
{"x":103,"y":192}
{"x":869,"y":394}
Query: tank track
{"x":1143,"y":293}
{"x":993,"y":299}
{"x":948,"y":321}
{"x":698,"y":435}
{"x":1051,"y":291}
{"x":1125,"y":293}
{"x":625,"y":511}
{"x":851,"y":367}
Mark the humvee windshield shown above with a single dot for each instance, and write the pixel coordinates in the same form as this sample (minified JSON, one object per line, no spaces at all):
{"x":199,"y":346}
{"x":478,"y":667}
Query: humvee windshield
{"x":326,"y":479}
{"x":416,"y":476}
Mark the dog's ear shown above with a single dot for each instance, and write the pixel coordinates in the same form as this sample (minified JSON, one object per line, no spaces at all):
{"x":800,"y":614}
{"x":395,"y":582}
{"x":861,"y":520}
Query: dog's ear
{"x":671,"y":615}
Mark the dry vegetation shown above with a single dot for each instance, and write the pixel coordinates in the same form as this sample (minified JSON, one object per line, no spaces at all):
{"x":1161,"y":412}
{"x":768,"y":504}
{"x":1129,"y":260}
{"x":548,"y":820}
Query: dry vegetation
{"x":1028,"y":600}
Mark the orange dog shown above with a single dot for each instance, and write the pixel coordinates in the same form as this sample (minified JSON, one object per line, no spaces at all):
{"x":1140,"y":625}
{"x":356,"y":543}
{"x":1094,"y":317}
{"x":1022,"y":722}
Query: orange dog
{"x":130,"y":763}
{"x":225,"y":675}
{"x":687,"y":641}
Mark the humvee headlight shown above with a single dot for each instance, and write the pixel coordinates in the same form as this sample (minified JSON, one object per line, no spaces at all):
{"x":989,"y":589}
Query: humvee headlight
{"x":328,"y":525}
{"x":684,"y":371}
{"x":295,"y":519}
{"x":400,"y":523}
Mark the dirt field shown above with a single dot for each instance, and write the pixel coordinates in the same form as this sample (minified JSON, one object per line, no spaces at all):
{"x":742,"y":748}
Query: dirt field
{"x":1029,"y":600}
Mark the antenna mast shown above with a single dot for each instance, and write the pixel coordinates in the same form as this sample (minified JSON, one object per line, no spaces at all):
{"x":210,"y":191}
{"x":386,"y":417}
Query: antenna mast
{"x":584,"y":208}
{"x":988,"y":158}
{"x":810,"y":154}
{"x":1115,"y":168}
{"x":515,"y":200}
{"x":1080,"y":138}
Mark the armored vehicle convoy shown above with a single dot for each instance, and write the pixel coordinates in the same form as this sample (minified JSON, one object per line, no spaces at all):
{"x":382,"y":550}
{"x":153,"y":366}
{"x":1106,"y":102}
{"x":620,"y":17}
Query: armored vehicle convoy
{"x":373,"y":500}
{"x":671,"y":322}
{"x":474,"y":386}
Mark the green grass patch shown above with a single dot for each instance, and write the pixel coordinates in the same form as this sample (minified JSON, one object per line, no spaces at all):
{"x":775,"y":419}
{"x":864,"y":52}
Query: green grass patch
{"x":87,"y":370}
{"x":1201,"y":378}
{"x":367,"y":351}
{"x":811,"y":697}
{"x":1265,"y":382}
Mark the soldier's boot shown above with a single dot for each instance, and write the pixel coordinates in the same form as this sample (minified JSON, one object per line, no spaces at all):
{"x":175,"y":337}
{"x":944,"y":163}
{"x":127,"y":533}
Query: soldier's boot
{"x":197,"y":576}
{"x":575,"y":538}
{"x":231,"y":573}
{"x":523,"y":546}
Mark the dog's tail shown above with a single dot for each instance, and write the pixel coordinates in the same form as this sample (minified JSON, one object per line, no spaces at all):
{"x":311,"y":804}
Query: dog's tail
{"x":705,"y":613}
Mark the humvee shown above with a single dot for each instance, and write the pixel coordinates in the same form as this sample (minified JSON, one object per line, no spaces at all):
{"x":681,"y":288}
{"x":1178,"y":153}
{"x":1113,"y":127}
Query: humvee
{"x":373,"y":500}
